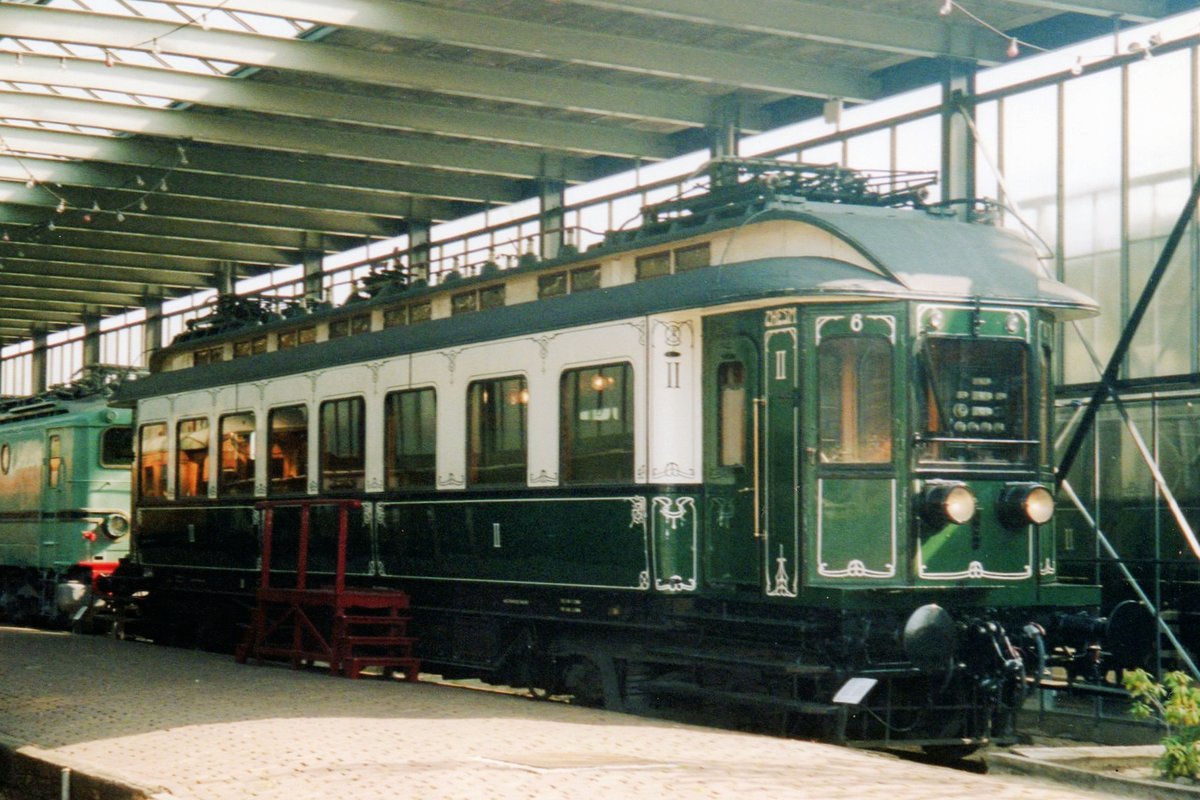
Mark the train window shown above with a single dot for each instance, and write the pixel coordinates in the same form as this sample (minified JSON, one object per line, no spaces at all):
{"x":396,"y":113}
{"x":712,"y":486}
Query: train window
{"x":731,"y":411}
{"x":287,"y":444}
{"x":597,"y":425}
{"x":339,"y":328}
{"x":5,"y":459}
{"x":692,"y":257}
{"x":54,"y":462}
{"x":972,"y":394}
{"x":496,"y":431}
{"x":287,"y":340}
{"x":191,"y":458}
{"x":654,"y":265}
{"x":360,"y":323}
{"x":410,"y":424}
{"x":343,"y":439}
{"x":491,"y":297}
{"x":235,"y":476}
{"x":209,"y":355}
{"x":249,"y":347}
{"x":585,"y":278}
{"x":152,"y":460}
{"x":420,"y":312}
{"x":855,"y":400}
{"x":552,"y":285}
{"x":306,"y":335}
{"x":464,"y":303}
{"x":116,"y":447}
{"x":395,"y":317}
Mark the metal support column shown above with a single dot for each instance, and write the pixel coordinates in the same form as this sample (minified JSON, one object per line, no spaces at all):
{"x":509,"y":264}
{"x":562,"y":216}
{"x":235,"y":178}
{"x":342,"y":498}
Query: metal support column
{"x":91,"y":340}
{"x":550,"y":196}
{"x":152,"y":332}
{"x":312,"y":258}
{"x":418,"y":250}
{"x":723,"y":139}
{"x":958,"y":150}
{"x":37,"y":363}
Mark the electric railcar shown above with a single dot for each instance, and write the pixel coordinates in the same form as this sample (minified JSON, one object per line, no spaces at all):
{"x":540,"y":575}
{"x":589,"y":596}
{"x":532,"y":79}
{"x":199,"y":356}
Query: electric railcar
{"x":765,"y":451}
{"x":65,"y":460}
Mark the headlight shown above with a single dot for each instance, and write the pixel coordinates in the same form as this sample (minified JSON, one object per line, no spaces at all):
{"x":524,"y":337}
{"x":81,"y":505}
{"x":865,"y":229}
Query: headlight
{"x":1025,"y":503}
{"x":115,"y":526}
{"x":948,"y":502}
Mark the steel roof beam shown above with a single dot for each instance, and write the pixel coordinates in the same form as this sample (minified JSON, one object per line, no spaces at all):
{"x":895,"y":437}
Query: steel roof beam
{"x":291,"y":137}
{"x":269,"y":98}
{"x":108,"y":274}
{"x":297,"y":170}
{"x":33,"y":289}
{"x":82,"y":254}
{"x":81,"y":220}
{"x":893,"y":33}
{"x":168,"y":248}
{"x":253,"y":50}
{"x":1128,"y":10}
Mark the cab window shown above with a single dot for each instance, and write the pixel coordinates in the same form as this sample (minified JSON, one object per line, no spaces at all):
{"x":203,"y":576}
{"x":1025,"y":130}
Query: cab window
{"x":855,"y":397}
{"x":116,"y":447}
{"x":54,"y":462}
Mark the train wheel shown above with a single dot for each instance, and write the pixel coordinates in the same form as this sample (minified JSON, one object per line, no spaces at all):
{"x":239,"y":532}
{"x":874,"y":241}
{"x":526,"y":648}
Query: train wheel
{"x":584,"y":681}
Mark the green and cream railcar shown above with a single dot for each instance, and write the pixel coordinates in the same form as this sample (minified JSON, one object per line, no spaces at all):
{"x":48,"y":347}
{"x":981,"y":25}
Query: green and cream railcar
{"x":763,"y":449}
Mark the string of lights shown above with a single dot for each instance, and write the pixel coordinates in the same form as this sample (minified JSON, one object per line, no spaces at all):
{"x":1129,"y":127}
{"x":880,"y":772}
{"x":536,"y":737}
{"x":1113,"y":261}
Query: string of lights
{"x":33,"y":232}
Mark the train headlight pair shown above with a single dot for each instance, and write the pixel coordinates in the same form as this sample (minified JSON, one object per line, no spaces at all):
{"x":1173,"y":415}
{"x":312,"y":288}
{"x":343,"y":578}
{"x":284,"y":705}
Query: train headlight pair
{"x":1025,"y":503}
{"x":115,"y":526}
{"x":952,"y":502}
{"x":947,"y":502}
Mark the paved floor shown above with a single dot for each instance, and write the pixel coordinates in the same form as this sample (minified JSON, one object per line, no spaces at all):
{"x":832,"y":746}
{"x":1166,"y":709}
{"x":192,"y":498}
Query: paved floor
{"x":198,"y":726}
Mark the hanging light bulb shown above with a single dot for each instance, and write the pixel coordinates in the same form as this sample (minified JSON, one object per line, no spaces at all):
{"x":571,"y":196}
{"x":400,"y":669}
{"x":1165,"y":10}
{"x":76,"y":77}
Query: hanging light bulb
{"x":120,"y":216}
{"x":62,"y":62}
{"x":108,"y":58}
{"x":162,"y":186}
{"x":139,"y":180}
{"x":156,"y":48}
{"x":95,"y":205}
{"x":29,"y":184}
{"x":946,"y":8}
{"x":204,"y":21}
{"x":6,"y":237}
{"x":50,"y":225}
{"x":142,"y":204}
{"x":87,"y":218}
{"x":62,"y":206}
{"x":183,"y":159}
{"x":20,"y":58}
{"x":1014,"y":49}
{"x":1077,"y":67}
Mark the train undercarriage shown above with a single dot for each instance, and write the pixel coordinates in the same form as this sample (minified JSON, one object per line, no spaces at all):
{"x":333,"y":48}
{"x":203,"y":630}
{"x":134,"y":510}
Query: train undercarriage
{"x":917,"y":677}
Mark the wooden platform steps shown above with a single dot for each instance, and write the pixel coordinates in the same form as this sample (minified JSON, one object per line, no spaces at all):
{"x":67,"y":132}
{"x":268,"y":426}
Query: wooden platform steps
{"x":349,"y":628}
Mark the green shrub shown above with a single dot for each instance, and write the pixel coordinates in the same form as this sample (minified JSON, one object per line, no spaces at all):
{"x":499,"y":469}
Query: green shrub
{"x":1176,"y":702}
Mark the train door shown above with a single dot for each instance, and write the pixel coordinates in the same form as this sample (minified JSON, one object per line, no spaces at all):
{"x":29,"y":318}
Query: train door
{"x":55,"y":496}
{"x":732,"y":388}
{"x":781,"y":466}
{"x":852,"y":407}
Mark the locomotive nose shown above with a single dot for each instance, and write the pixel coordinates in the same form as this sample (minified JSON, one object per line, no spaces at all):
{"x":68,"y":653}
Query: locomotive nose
{"x":929,"y":638}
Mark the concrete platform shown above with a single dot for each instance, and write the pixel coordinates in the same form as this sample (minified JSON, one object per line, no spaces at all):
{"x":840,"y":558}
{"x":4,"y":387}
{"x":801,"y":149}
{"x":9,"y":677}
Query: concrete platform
{"x":133,"y":720}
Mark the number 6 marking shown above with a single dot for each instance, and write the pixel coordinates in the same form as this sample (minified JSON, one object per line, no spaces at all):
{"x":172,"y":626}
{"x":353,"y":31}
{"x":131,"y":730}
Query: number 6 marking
{"x":856,"y":323}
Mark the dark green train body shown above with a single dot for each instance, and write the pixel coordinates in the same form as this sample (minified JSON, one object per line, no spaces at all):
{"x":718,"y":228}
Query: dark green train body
{"x":765,"y":454}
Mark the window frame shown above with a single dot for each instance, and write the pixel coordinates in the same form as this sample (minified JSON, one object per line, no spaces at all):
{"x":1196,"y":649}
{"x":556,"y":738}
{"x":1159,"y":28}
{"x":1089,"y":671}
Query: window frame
{"x":222,"y":484}
{"x":359,"y":475}
{"x":274,"y":484}
{"x":568,"y":434}
{"x":475,"y":431}
{"x":204,"y":483}
{"x":391,"y":453}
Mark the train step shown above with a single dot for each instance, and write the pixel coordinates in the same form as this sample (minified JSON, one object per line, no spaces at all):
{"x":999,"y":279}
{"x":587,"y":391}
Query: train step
{"x":410,"y":666}
{"x":379,"y":641}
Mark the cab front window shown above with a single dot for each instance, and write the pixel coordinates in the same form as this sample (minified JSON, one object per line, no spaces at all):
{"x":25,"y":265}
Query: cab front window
{"x":972,"y":396}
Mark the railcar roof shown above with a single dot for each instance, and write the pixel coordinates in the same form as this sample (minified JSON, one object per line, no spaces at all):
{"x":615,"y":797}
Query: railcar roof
{"x":721,"y":284}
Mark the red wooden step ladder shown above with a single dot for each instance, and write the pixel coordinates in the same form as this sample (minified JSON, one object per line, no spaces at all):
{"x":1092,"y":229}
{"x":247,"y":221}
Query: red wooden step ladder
{"x":348,"y":628}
